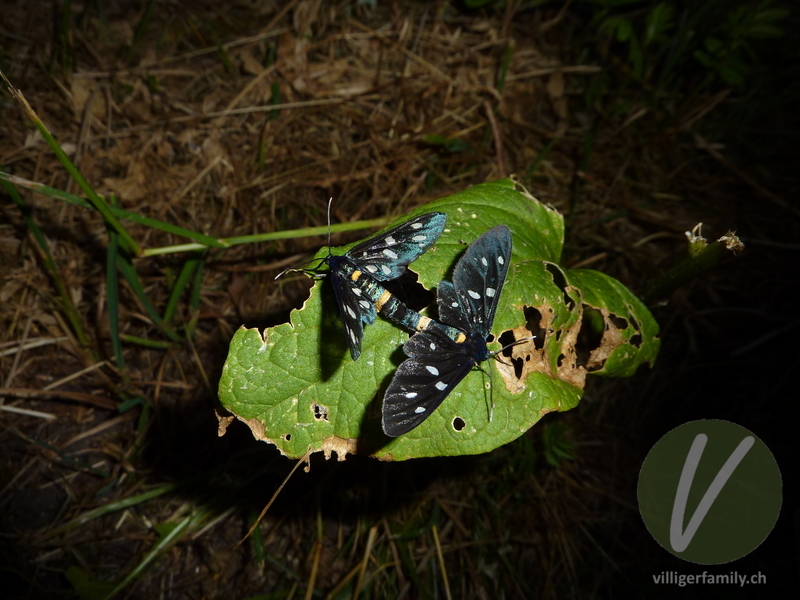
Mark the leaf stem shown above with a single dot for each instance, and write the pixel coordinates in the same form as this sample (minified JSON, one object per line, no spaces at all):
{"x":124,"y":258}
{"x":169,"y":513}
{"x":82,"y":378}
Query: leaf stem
{"x":702,"y":257}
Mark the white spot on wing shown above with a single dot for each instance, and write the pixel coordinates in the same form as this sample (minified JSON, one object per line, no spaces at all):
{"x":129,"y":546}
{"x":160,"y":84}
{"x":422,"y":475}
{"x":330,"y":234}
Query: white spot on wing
{"x":491,"y":292}
{"x":390,"y":253}
{"x":371,"y":268}
{"x":419,"y":238}
{"x":483,"y":261}
{"x":501,"y":260}
{"x":356,"y":291}
{"x":431,"y":370}
{"x":473,"y":295}
{"x":390,"y":241}
{"x":411,"y":395}
{"x":386,"y":269}
{"x":416,"y":225}
{"x":350,"y":311}
{"x":420,"y":409}
{"x":364,"y":303}
{"x":440,"y":385}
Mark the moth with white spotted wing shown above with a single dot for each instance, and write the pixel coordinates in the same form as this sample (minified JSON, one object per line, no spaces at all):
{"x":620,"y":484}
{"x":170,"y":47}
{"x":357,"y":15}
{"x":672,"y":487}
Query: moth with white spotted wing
{"x":437,"y":361}
{"x":356,"y":276}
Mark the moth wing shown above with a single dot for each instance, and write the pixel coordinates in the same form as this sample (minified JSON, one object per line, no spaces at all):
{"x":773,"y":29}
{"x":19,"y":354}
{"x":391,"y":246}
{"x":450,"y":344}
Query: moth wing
{"x":479,"y":277}
{"x":423,"y":381}
{"x":450,"y":310}
{"x":354,"y":311}
{"x":385,"y":256}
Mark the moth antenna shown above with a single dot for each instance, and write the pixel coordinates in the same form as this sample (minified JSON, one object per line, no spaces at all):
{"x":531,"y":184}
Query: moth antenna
{"x":491,"y":394}
{"x":284,"y":272}
{"x":297,"y":269}
{"x":496,"y":356}
{"x":330,"y":201}
{"x":511,"y":345}
{"x":491,"y":389}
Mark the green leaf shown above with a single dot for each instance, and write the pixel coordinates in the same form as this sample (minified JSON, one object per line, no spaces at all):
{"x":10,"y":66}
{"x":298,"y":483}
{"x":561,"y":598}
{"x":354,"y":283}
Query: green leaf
{"x":297,"y":388}
{"x":85,"y":587}
{"x":703,"y":58}
{"x":165,"y":529}
{"x":636,"y":57}
{"x":714,"y":45}
{"x":733,"y":73}
{"x":624,"y":30}
{"x":630,"y":334}
{"x":473,"y":4}
{"x":658,"y":22}
{"x":452,"y":145}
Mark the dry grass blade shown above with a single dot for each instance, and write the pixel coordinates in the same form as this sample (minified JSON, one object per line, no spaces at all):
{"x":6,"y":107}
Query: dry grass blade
{"x":301,"y":461}
{"x":442,"y":567}
{"x":373,"y":533}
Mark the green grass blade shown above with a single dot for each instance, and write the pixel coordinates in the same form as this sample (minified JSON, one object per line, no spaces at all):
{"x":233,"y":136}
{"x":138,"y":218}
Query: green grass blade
{"x":112,"y":295}
{"x":202,"y":242}
{"x":118,"y":212}
{"x":531,"y":171}
{"x":273,"y":236}
{"x":155,"y":551}
{"x":73,"y":462}
{"x":189,"y":268}
{"x":155,"y":344}
{"x":130,"y":274}
{"x":144,"y":23}
{"x":194,"y":300}
{"x":112,"y":507}
{"x":501,"y":77}
{"x":67,"y":305}
{"x":113,"y":223}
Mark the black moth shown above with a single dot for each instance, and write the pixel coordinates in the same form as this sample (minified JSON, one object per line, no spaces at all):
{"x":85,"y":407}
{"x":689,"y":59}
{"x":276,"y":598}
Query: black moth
{"x":438,"y":361}
{"x":355,"y":275}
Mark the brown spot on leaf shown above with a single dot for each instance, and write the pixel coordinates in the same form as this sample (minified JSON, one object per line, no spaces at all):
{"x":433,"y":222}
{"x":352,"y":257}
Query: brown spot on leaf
{"x":538,"y":355}
{"x":223,"y":422}
{"x":341,"y":446}
{"x":320,"y":411}
{"x":256,"y":427}
{"x":611,"y":340}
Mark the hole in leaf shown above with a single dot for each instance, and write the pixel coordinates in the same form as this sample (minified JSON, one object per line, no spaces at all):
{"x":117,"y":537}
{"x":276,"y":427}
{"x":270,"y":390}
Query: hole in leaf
{"x":533,"y":321}
{"x":561,"y":282}
{"x":459,"y":424}
{"x":590,"y":335}
{"x":619,"y":322}
{"x":287,"y":437}
{"x":506,"y":340}
{"x":320,"y":411}
{"x":518,"y":364}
